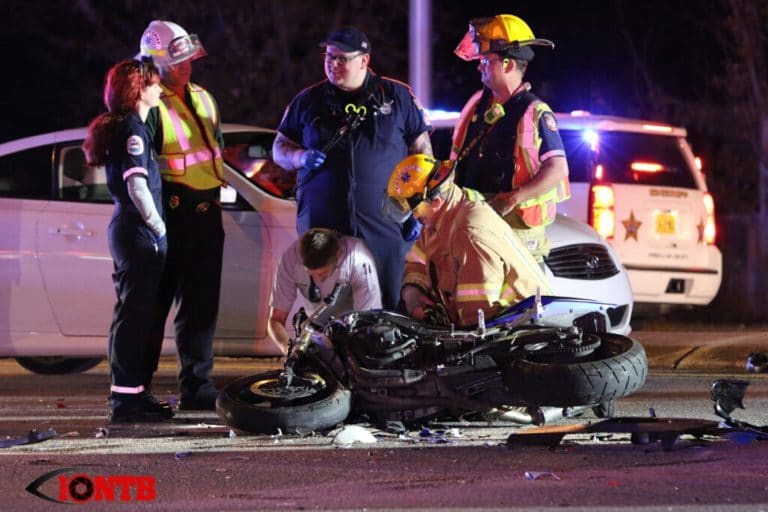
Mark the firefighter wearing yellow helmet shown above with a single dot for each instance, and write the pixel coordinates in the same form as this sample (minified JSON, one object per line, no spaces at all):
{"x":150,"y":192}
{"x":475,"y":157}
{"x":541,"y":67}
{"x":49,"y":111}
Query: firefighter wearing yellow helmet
{"x":506,"y":141}
{"x":186,"y":133}
{"x":466,"y":258}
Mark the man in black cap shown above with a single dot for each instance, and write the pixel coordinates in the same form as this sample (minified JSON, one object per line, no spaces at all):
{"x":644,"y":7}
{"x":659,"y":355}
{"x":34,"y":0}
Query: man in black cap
{"x":506,"y":140}
{"x":345,"y":135}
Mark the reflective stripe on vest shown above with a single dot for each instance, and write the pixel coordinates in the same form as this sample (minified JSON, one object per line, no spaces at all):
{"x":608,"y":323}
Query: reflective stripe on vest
{"x":541,"y":210}
{"x":190,"y":154}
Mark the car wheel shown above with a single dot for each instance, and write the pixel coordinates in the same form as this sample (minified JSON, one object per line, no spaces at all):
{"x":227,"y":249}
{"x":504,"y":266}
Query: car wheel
{"x":58,"y":365}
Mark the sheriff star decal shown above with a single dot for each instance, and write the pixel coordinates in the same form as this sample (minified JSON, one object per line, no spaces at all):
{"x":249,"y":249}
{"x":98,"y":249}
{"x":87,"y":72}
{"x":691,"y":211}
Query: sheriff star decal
{"x":632,"y":226}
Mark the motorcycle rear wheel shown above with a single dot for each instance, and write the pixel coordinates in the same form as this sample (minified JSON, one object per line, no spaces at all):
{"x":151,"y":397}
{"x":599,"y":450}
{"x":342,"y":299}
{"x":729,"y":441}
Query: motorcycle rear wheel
{"x":617,"y":368}
{"x":259,"y":404}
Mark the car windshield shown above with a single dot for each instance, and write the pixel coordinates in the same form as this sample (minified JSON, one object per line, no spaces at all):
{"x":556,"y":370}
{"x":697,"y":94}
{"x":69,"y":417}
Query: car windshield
{"x":250,"y":154}
{"x":634,"y":158}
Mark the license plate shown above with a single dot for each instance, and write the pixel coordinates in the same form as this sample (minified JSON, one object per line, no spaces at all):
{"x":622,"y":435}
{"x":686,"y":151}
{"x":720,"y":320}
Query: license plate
{"x":666,"y":223}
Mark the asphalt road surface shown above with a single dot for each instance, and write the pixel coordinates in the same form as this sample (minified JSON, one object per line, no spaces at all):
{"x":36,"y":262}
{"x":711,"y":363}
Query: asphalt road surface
{"x":195,"y":462}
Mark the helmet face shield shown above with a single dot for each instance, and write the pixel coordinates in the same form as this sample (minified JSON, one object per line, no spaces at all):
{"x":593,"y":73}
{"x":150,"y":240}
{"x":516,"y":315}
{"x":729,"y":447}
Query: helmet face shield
{"x":468,"y":49}
{"x":185,"y":47}
{"x":169,"y":44}
{"x":396,"y":210}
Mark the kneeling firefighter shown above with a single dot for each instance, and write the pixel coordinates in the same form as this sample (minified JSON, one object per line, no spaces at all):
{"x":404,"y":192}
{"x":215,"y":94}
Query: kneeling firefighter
{"x":467,"y":257}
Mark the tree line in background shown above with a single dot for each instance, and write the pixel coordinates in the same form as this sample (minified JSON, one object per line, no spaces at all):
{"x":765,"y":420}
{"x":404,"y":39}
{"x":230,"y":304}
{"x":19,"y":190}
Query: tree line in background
{"x":698,"y":63}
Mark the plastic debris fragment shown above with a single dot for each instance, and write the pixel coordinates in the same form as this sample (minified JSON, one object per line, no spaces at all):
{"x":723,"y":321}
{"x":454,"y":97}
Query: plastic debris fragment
{"x":727,"y":395}
{"x":181,"y":455}
{"x":757,"y":362}
{"x":439,"y":436}
{"x":353,"y":434}
{"x":538,"y":475}
{"x":32,"y":437}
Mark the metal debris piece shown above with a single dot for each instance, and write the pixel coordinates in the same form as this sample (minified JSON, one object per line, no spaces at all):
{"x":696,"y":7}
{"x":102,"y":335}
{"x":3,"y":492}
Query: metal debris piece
{"x":32,"y":437}
{"x":539,"y":475}
{"x":642,"y":430}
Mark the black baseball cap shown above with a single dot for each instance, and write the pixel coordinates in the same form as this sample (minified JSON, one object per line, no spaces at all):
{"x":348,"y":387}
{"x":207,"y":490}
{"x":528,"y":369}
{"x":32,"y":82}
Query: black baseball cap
{"x":348,"y":39}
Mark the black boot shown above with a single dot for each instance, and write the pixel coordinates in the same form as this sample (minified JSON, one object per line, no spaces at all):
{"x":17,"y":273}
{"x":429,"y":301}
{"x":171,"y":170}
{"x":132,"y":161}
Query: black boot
{"x":137,"y":408}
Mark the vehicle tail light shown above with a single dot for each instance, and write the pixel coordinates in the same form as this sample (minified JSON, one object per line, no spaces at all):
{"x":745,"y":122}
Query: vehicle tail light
{"x":646,"y":167}
{"x":601,"y":214}
{"x":710,"y":230}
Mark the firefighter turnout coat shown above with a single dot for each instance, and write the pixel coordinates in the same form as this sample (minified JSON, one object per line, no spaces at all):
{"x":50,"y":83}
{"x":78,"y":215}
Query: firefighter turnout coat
{"x":471,"y":259}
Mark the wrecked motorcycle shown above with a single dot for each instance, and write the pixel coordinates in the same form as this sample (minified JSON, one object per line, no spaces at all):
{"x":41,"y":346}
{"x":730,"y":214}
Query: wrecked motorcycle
{"x":536,"y":360}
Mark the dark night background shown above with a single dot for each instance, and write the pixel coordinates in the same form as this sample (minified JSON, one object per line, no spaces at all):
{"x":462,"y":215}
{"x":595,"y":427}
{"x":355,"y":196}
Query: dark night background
{"x":696,"y":63}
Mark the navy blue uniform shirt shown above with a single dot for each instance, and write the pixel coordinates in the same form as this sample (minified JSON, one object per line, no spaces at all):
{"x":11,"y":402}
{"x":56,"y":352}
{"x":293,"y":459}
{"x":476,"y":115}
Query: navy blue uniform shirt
{"x":131,"y":151}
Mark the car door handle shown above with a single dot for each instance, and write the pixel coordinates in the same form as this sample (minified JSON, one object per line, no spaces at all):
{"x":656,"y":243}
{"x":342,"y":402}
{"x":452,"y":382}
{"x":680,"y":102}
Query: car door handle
{"x":77,"y":230}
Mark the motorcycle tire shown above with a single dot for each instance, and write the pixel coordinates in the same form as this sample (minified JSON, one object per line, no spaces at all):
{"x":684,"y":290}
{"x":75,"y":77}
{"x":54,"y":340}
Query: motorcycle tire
{"x":617,"y":368}
{"x":252,"y":405}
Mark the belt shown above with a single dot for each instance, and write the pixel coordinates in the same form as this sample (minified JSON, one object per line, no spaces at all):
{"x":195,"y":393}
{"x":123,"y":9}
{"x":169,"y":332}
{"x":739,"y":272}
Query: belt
{"x":186,"y":200}
{"x":179,"y":204}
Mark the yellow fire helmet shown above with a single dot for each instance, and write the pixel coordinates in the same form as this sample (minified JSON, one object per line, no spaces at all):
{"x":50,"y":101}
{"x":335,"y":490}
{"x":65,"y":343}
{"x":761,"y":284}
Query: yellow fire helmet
{"x":415,"y":179}
{"x":505,"y":34}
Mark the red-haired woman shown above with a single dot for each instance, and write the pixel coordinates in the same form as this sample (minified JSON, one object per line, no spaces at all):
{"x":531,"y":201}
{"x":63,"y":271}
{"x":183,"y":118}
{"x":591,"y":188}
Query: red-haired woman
{"x":118,"y":140}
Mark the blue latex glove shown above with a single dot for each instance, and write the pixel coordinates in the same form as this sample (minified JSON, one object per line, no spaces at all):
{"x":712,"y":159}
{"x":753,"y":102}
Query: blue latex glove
{"x":411,"y":229}
{"x":312,"y":158}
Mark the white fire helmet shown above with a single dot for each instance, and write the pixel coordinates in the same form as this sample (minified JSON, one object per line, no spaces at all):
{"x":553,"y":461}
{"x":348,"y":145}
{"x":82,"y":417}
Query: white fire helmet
{"x":169,"y":44}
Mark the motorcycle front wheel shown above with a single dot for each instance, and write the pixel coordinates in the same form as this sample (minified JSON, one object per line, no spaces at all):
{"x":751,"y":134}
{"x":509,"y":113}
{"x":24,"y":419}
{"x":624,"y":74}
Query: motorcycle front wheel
{"x":261,"y":404}
{"x":617,"y":367}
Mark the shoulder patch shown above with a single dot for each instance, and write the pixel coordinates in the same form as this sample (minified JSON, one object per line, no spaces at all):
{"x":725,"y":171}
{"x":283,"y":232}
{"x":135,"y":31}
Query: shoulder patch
{"x":134,"y":145}
{"x":550,"y":121}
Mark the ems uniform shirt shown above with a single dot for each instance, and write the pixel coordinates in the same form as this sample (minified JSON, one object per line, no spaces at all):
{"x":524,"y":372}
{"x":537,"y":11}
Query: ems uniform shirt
{"x":131,"y":152}
{"x":355,"y":266}
{"x":345,"y":193}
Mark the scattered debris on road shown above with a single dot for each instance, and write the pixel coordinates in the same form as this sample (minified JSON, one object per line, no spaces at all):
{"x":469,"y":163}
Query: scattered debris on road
{"x":33,"y":436}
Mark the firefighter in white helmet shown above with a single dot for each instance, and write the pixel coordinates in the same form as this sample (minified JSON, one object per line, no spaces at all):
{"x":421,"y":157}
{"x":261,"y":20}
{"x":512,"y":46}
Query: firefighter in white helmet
{"x":466,"y":258}
{"x":186,"y":132}
{"x":506,"y":140}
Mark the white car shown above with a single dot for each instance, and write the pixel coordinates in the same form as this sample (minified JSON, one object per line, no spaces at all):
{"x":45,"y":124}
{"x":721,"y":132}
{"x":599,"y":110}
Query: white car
{"x":640,"y":186}
{"x":56,"y":293}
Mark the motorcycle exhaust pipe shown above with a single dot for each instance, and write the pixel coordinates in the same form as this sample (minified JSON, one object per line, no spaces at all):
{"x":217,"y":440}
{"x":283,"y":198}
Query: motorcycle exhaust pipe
{"x":540,"y":415}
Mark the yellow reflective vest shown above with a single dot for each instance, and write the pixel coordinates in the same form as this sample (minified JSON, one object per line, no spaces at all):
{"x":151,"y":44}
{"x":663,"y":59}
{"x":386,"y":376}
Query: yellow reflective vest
{"x":190,"y":155}
{"x":471,"y":259}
